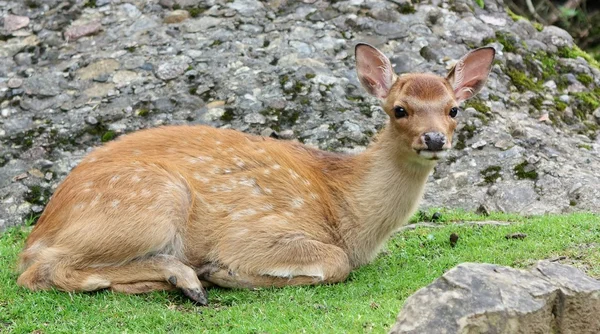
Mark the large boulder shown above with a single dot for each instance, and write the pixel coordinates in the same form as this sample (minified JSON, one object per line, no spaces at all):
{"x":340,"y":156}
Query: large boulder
{"x":487,"y":298}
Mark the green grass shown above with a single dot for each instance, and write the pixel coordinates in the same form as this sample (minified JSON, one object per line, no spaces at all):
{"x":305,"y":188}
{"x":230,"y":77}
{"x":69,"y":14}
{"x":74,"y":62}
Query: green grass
{"x":368,"y":302}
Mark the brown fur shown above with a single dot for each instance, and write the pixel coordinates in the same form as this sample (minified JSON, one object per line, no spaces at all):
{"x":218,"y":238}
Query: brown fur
{"x":180,"y":205}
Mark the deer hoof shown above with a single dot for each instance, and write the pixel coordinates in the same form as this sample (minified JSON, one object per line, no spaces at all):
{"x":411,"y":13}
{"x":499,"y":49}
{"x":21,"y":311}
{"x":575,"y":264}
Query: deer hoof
{"x":198,"y":295}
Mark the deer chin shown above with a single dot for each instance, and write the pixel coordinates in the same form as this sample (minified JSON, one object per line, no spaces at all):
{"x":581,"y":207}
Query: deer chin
{"x":432,"y":155}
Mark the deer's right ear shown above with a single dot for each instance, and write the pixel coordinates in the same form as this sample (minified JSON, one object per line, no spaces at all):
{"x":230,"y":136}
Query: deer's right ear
{"x":374,"y":70}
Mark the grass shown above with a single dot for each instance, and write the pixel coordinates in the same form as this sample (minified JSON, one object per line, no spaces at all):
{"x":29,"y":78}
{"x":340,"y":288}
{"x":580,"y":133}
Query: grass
{"x":368,"y":302}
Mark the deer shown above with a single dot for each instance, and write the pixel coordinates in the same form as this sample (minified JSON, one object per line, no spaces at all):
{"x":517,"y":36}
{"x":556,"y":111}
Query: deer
{"x":192,"y":206}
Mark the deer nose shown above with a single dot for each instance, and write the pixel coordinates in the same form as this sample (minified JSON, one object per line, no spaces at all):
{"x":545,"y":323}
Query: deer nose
{"x":434,"y":140}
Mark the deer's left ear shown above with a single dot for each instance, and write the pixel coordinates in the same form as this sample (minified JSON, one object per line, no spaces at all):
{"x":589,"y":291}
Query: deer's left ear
{"x":470,"y":73}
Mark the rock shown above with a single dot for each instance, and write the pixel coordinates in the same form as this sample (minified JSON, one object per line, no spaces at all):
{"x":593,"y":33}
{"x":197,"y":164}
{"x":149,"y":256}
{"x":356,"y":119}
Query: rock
{"x":102,"y":67}
{"x":14,"y":82}
{"x":124,"y":78}
{"x":255,"y":118}
{"x":130,"y":10}
{"x":47,"y":84}
{"x":14,"y":22}
{"x":173,"y":68}
{"x":99,"y":90}
{"x":75,"y":32}
{"x":176,"y":16}
{"x":556,"y":36}
{"x":23,"y":59}
{"x":487,"y":298}
{"x":246,"y":7}
{"x":200,"y":24}
{"x":596,"y":115}
{"x":16,"y":45}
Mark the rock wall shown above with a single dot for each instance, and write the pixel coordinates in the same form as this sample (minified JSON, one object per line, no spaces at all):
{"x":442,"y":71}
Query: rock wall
{"x":74,"y":74}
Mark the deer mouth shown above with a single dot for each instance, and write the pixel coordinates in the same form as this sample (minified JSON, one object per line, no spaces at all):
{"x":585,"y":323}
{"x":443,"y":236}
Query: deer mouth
{"x":432,"y":155}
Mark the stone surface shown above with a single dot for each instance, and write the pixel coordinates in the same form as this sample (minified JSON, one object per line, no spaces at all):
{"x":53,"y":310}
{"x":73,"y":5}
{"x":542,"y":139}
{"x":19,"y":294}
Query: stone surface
{"x":286,"y":69}
{"x":485,"y":298}
{"x":14,"y":22}
{"x":177,"y":16}
{"x":78,"y":31}
{"x":173,"y":68}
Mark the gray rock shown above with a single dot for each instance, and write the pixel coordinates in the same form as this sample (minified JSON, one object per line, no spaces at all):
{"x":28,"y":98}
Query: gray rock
{"x":486,"y":298}
{"x":246,"y":7}
{"x":47,"y":84}
{"x":14,"y":22}
{"x":78,"y":31}
{"x":97,"y":69}
{"x":173,"y":68}
{"x":200,"y":24}
{"x":556,"y":36}
{"x":255,"y":118}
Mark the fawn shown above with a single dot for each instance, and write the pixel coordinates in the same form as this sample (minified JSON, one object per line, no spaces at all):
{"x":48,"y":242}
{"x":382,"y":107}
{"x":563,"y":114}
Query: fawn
{"x":185,"y":207}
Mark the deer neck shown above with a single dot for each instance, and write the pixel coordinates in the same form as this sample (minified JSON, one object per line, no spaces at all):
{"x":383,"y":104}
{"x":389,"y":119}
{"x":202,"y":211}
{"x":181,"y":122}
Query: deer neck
{"x":388,"y":187}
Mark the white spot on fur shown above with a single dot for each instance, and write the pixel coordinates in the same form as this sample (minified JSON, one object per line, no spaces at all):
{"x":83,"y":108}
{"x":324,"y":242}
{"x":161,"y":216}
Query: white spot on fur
{"x":276,"y":167}
{"x":79,"y":206}
{"x":312,"y":271}
{"x":223,"y":188}
{"x":268,"y":207}
{"x":226,"y":171}
{"x":256,"y":191}
{"x":288,"y":214}
{"x":92,"y":159}
{"x":87,"y":190}
{"x":293,"y":174}
{"x":201,"y":178}
{"x":297,"y":202}
{"x":133,"y":195}
{"x":205,"y":158}
{"x":136,"y":179}
{"x":115,"y":203}
{"x":218,"y":142}
{"x":96,"y":199}
{"x":95,"y":282}
{"x":88,"y":184}
{"x":192,"y":160}
{"x":266,"y":171}
{"x":242,"y":213}
{"x":248,"y":182}
{"x":114,"y":179}
{"x":216,"y":170}
{"x":242,"y":233}
{"x":145,"y":193}
{"x":261,"y":151}
{"x":238,"y":162}
{"x":268,"y":190}
{"x":306,"y":182}
{"x":314,"y":196}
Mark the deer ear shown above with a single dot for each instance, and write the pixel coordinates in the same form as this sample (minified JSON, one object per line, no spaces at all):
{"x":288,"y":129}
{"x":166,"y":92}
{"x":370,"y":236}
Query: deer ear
{"x":374,"y":70}
{"x":470,"y":73}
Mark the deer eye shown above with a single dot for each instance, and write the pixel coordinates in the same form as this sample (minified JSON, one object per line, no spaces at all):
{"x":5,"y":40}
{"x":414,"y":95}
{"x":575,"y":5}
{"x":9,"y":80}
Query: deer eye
{"x":453,"y":112}
{"x":400,"y":112}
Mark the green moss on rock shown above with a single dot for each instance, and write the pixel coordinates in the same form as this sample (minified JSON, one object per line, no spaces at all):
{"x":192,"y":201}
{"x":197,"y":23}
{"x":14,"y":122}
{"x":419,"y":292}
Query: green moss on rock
{"x":491,"y":174}
{"x":575,"y":52}
{"x":522,"y":81}
{"x":525,"y":171}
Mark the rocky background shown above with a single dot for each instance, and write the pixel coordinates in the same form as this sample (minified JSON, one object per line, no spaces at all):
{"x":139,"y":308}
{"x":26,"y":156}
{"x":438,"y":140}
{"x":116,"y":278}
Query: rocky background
{"x":74,"y":74}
